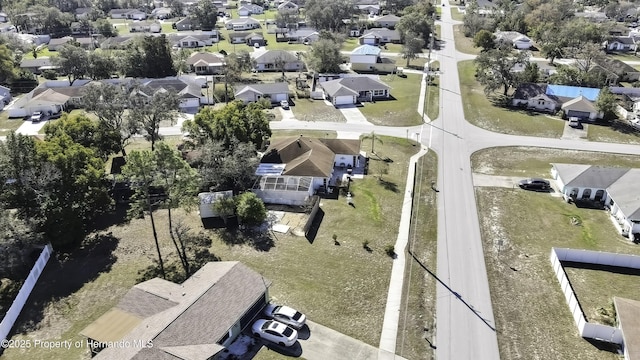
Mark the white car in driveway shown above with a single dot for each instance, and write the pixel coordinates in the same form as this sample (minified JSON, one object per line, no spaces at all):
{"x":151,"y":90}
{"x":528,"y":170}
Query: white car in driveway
{"x":275,"y":332}
{"x":285,"y":315}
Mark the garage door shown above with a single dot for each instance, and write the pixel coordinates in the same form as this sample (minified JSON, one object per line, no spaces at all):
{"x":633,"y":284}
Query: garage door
{"x":343,"y":100}
{"x":279,"y":97}
{"x":578,"y":114}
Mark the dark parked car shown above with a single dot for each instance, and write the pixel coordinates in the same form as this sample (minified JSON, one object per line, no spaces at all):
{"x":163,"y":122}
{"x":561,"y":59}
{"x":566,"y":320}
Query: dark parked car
{"x":534,"y":184}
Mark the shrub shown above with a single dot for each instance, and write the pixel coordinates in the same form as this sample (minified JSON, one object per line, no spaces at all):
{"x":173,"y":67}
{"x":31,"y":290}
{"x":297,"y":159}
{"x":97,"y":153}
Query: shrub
{"x":49,"y":74}
{"x":390,"y":250}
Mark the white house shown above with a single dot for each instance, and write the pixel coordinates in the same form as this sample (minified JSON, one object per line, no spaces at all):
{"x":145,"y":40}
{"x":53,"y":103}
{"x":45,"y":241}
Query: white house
{"x":387,"y":21}
{"x":275,"y":92}
{"x":616,"y":188}
{"x":288,"y":7}
{"x":365,"y":54}
{"x":350,"y":90}
{"x":515,"y":39}
{"x":5,"y":95}
{"x":245,"y":23}
{"x":250,"y":9}
{"x":292,"y":169}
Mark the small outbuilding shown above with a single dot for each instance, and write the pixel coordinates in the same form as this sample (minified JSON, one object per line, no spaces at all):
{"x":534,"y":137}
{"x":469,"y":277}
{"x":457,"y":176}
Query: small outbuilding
{"x":207,"y":199}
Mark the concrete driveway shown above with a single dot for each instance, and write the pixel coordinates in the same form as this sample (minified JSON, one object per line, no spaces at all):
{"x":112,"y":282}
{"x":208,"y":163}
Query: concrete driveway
{"x":570,"y":133}
{"x":510,"y":182}
{"x":317,"y":342}
{"x":353,"y":115}
{"x":29,"y":128}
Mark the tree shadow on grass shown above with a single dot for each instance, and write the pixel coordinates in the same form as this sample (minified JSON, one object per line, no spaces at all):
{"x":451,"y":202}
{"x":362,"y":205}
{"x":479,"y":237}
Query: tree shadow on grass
{"x":259,"y":240}
{"x":66,"y":273}
{"x":388,"y":185}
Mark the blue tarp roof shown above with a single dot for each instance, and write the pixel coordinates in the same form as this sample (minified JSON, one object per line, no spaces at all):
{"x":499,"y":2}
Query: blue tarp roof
{"x":366,"y":50}
{"x":573,"y":91}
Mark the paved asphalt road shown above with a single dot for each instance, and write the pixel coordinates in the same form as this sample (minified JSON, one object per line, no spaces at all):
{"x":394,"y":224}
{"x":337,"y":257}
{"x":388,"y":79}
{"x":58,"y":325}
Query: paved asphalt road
{"x":465,"y":327}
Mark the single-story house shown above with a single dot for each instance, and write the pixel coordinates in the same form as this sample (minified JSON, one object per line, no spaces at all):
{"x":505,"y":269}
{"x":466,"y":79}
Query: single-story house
{"x":5,"y":95}
{"x":145,"y":26}
{"x":515,"y":39}
{"x":387,"y":21}
{"x":189,"y":91}
{"x":132,"y":14}
{"x":206,"y":63}
{"x":48,"y":99}
{"x":621,"y":43}
{"x":37,"y":65}
{"x":238,"y":37}
{"x":353,"y":89}
{"x":573,"y":100}
{"x":533,"y":96}
{"x":117,"y":42}
{"x":165,"y":320}
{"x":627,"y":312}
{"x":275,"y":92}
{"x":303,"y":36}
{"x":369,"y":9}
{"x":582,"y":108}
{"x":366,"y":58}
{"x":161,"y":13}
{"x":186,"y":23}
{"x":207,"y":199}
{"x":202,"y":38}
{"x":292,"y":169}
{"x":288,"y":7}
{"x":245,"y":23}
{"x":615,"y":188}
{"x":188,"y":42}
{"x":4,"y":17}
{"x":380,"y":36}
{"x":255,"y":38}
{"x":55,"y":44}
{"x":83,"y":12}
{"x":250,"y":9}
{"x":276,"y":60}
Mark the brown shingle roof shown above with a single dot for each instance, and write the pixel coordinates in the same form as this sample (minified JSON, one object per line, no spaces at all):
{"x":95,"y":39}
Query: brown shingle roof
{"x":303,"y":156}
{"x":343,"y":146}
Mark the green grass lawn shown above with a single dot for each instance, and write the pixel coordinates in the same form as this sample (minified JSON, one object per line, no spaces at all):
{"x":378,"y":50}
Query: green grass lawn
{"x":481,"y":112}
{"x":608,"y":284}
{"x":417,"y":310}
{"x":316,"y":110}
{"x":618,"y":131}
{"x":625,"y":56}
{"x":455,"y":14}
{"x":349,"y":296}
{"x":463,"y":43}
{"x":403,"y":111}
{"x":43,"y":52}
{"x":536,"y":162}
{"x":350,"y":43}
{"x":519,"y":229}
{"x":8,"y":125}
{"x":166,"y":28}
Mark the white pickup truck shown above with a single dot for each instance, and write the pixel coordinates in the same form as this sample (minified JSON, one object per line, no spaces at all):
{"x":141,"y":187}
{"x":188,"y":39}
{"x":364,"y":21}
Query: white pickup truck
{"x":635,"y":123}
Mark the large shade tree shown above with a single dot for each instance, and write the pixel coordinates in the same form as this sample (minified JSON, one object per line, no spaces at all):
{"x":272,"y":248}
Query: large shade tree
{"x":150,"y":108}
{"x":245,"y":123}
{"x":494,"y":68}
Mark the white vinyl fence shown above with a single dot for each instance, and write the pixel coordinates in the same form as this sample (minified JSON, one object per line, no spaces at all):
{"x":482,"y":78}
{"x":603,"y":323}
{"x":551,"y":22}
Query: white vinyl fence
{"x":18,"y":303}
{"x":589,"y":330}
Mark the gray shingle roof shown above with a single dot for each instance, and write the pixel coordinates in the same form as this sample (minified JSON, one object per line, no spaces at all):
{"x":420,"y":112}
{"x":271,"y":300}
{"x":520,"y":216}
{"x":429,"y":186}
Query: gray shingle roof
{"x":264,"y":89}
{"x":354,"y":83}
{"x":625,"y":192}
{"x":209,"y":303}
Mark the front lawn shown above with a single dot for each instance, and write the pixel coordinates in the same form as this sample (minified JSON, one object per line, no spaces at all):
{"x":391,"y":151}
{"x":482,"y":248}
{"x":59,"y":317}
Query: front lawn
{"x":481,"y":112}
{"x":463,"y":43}
{"x":519,"y":228}
{"x":402,"y":110}
{"x":338,"y":284}
{"x":8,"y":125}
{"x":619,"y":131}
{"x":536,"y":162}
{"x":316,"y":110}
{"x":456,"y":14}
{"x":417,"y":310}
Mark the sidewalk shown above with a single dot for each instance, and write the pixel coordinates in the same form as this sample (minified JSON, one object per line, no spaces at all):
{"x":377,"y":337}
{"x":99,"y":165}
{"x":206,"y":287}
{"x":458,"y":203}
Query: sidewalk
{"x":389,"y":335}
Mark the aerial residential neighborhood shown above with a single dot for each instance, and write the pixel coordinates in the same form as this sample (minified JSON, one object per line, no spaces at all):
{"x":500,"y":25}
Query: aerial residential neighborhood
{"x":357,"y":179}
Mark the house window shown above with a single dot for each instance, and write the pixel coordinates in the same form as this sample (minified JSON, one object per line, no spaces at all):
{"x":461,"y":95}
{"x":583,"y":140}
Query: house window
{"x":378,"y":92}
